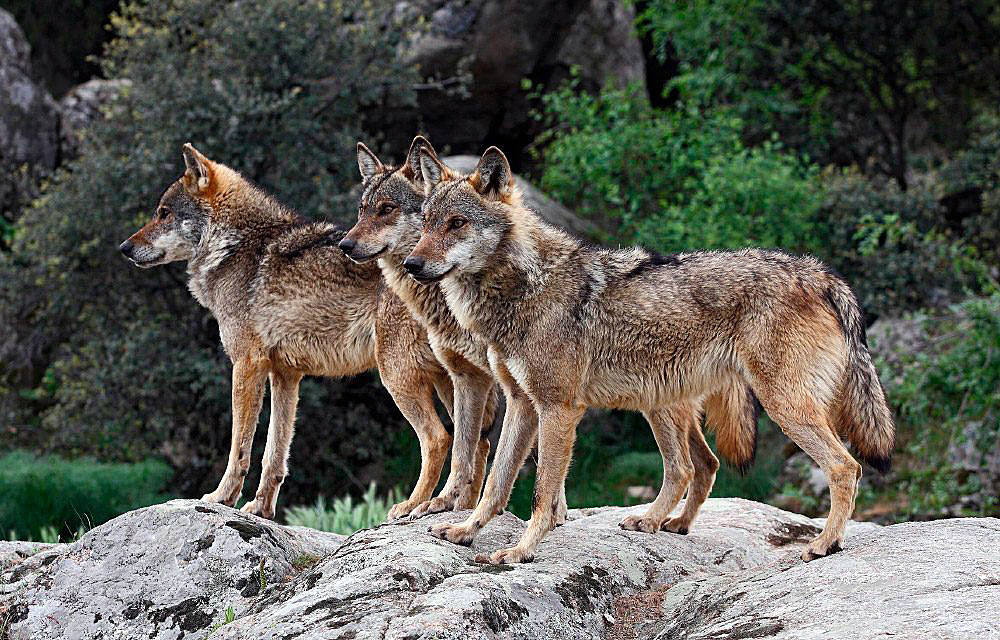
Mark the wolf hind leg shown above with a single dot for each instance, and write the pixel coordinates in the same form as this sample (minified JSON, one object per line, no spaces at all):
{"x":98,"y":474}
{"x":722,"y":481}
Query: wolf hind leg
{"x":808,"y":425}
{"x":705,"y":467}
{"x":670,"y":427}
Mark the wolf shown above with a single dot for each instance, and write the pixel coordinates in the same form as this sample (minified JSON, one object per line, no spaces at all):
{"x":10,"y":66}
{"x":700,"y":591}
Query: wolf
{"x":388,"y":228}
{"x":576,"y":326}
{"x":289,"y":304}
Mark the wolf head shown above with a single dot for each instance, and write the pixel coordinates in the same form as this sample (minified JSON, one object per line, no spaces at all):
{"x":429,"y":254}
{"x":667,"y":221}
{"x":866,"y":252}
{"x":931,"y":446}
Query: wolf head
{"x":181,"y":215}
{"x":389,"y":217}
{"x":465,"y":218}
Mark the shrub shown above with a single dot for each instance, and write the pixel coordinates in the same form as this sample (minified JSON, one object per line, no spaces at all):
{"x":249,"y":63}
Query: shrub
{"x":343,"y":515}
{"x":673,"y":180}
{"x":890,"y":245}
{"x":45,"y":495}
{"x":942,"y":375}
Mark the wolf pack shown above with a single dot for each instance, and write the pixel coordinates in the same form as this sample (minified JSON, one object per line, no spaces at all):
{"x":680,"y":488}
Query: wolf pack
{"x":457,"y":292}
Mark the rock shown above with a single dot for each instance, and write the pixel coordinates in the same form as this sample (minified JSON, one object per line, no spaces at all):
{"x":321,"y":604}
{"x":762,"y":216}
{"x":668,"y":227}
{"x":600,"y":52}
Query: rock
{"x":13,"y":553}
{"x":82,"y":105}
{"x":167,"y":571}
{"x":494,"y":45}
{"x":913,"y":580}
{"x":172,"y":570}
{"x":29,"y":123}
{"x":550,"y":210}
{"x":29,"y":120}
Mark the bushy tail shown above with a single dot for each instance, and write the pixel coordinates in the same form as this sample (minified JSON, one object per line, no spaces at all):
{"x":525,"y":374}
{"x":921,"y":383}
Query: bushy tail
{"x":732,"y":413}
{"x":861,"y":412}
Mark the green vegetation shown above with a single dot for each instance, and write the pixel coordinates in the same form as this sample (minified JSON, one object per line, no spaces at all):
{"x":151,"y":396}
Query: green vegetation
{"x":948,"y":396}
{"x":227,"y":616}
{"x":343,"y":515}
{"x":48,"y":498}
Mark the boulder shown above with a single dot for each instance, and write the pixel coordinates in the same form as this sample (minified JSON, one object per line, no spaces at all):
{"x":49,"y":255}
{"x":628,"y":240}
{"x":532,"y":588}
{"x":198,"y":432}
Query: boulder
{"x":29,"y":124}
{"x":173,"y":570}
{"x":476,"y":53}
{"x":550,"y":210}
{"x":81,"y":106}
{"x":913,"y":580}
{"x":29,"y":118}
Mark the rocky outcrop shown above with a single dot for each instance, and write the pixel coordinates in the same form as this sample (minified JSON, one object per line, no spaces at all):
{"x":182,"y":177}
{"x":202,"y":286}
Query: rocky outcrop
{"x":550,"y":210}
{"x":29,"y":123}
{"x":174,"y":570}
{"x":476,"y":53}
{"x":81,"y":106}
{"x":914,"y":580}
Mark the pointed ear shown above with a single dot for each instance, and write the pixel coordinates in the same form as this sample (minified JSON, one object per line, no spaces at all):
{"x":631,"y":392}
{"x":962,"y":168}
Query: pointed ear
{"x":431,"y":169}
{"x":412,"y":168}
{"x":493,"y":177}
{"x":199,"y":173}
{"x":368,"y":162}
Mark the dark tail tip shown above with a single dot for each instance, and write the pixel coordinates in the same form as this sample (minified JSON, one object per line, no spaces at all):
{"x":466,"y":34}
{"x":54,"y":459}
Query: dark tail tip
{"x":882,"y":464}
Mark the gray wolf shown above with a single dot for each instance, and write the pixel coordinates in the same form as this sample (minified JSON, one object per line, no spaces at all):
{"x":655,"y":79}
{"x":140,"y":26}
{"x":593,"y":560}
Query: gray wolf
{"x":288,"y":304}
{"x":575,"y":326}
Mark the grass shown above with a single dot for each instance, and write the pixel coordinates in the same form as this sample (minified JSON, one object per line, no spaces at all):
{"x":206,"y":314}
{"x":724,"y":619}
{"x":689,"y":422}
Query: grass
{"x":46,"y":498}
{"x":344,"y":515}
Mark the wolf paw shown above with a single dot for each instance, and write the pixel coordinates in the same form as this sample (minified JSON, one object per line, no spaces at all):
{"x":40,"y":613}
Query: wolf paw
{"x":400,"y":510}
{"x":513,"y":555}
{"x":454,"y":533}
{"x":640,"y":523}
{"x":434,"y":505}
{"x":676,"y":525}
{"x":219,"y":498}
{"x":258,"y":508}
{"x":820,"y":549}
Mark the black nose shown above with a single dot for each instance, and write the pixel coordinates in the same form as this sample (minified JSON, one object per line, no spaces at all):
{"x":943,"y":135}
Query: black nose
{"x":126,"y":247}
{"x":347,"y":245}
{"x":413,"y":264}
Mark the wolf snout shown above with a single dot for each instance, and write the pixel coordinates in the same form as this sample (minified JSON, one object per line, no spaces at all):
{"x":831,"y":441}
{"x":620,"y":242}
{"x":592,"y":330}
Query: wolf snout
{"x":413,"y":265}
{"x":126,"y":248}
{"x":347,"y":245}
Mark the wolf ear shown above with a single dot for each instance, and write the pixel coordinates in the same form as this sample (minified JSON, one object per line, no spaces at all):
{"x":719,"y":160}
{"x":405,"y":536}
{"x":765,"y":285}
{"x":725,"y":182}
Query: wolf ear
{"x":431,"y":169}
{"x":368,"y":162}
{"x":493,"y":177}
{"x":198,"y":176}
{"x":412,"y":167}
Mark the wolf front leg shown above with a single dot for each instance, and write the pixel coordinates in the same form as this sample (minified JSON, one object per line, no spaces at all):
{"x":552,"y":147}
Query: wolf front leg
{"x":249,"y":373}
{"x":516,"y":438}
{"x":556,"y":434}
{"x":472,"y":390}
{"x":284,"y":400}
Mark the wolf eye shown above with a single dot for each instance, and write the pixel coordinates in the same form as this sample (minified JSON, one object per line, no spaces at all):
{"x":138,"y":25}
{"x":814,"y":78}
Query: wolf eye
{"x":456,"y":223}
{"x":163,"y":213}
{"x":386,"y":208}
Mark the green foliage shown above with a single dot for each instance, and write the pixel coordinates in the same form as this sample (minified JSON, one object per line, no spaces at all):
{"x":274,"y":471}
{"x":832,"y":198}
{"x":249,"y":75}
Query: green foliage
{"x":847,"y":82}
{"x":228,"y":616}
{"x":891,"y":246}
{"x":947,"y":396}
{"x":46,"y":497}
{"x":674,"y":180}
{"x":100,"y":358}
{"x":343,"y":515}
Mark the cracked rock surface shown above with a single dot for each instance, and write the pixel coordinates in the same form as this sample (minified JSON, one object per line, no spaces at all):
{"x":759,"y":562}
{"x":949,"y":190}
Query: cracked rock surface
{"x":171,"y":571}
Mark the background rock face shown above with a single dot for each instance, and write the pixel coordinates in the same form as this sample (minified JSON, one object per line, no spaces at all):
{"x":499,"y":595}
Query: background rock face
{"x":498,"y":45}
{"x":82,"y":105}
{"x":29,"y":123}
{"x":29,"y":119}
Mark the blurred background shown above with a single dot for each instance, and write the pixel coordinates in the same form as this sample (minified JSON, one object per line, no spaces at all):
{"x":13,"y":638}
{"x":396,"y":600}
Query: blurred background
{"x":866,"y":133}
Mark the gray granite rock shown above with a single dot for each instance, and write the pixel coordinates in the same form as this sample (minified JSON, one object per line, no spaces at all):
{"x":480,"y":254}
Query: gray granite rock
{"x":915,"y":580}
